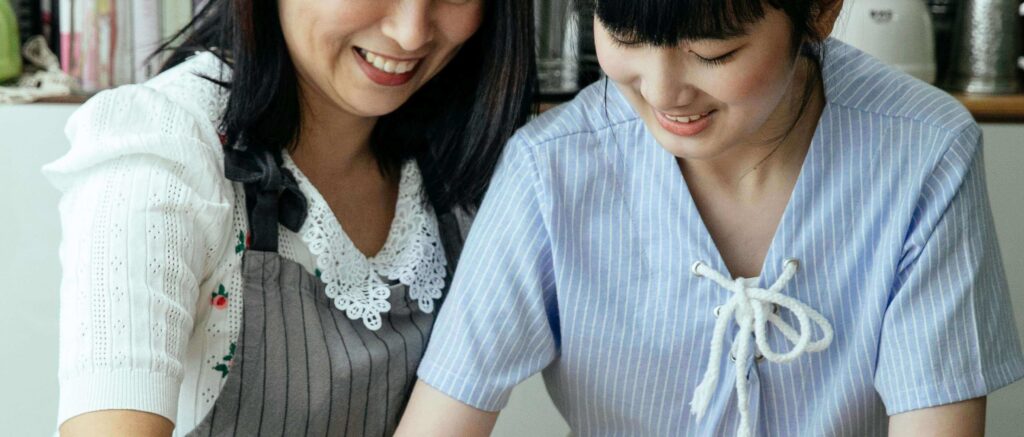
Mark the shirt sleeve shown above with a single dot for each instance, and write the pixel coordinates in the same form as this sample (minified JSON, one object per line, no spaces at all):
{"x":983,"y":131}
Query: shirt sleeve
{"x":142,"y":212}
{"x":499,"y":322}
{"x":949,"y":333}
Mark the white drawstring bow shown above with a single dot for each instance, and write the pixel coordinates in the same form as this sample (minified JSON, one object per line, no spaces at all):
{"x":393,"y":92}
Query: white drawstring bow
{"x":751,"y":307}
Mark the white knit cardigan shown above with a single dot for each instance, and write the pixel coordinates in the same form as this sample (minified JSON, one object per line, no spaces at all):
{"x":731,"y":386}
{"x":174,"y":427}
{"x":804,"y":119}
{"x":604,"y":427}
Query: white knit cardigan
{"x":153,"y":236}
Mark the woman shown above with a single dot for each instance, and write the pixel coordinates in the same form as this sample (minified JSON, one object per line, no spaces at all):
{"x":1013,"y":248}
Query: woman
{"x":255,"y":240}
{"x":749,"y":222}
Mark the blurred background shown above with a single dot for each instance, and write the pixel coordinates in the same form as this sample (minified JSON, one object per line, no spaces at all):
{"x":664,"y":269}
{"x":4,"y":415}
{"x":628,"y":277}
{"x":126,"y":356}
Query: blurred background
{"x":56,"y":53}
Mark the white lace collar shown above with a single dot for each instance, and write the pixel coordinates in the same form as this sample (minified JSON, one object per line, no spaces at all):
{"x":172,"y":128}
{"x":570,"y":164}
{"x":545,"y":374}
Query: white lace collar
{"x":412,"y":253}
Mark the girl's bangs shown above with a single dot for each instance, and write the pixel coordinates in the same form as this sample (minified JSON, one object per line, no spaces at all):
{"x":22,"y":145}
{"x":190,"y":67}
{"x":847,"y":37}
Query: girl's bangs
{"x":670,"y":22}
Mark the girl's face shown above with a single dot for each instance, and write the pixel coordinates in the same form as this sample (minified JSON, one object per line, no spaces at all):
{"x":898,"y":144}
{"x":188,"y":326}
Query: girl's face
{"x":703,"y":99}
{"x":368,"y":57}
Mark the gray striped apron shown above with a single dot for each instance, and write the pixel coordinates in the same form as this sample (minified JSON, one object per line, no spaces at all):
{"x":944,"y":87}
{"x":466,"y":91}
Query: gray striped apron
{"x":302,"y":368}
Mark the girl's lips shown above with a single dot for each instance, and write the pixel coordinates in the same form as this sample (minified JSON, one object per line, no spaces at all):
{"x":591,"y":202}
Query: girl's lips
{"x":684,"y":129}
{"x":382,"y":77}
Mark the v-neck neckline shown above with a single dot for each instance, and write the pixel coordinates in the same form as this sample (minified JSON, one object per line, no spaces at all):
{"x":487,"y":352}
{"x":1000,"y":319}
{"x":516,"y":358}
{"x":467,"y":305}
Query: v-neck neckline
{"x":786,"y":221}
{"x":315,"y":196}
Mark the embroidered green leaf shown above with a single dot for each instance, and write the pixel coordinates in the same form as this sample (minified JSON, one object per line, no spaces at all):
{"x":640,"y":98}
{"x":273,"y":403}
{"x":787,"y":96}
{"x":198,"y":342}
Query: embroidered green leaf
{"x":317,"y":271}
{"x":223,"y":368}
{"x":240,"y":247}
{"x":231,"y":349}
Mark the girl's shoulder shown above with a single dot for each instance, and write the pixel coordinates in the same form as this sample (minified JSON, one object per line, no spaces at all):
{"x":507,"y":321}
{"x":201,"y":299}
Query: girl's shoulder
{"x":597,"y":111}
{"x":857,"y":83}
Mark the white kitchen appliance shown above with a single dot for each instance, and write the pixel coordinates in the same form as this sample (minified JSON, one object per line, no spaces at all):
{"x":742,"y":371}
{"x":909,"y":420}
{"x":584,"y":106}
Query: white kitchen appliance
{"x":898,"y":32}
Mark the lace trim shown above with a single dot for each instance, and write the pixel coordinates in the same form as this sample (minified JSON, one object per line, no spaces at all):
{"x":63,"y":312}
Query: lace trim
{"x":412,"y":254}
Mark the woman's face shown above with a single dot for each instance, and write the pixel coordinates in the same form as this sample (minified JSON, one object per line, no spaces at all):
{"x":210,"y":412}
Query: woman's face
{"x":368,"y":57}
{"x":703,"y":99}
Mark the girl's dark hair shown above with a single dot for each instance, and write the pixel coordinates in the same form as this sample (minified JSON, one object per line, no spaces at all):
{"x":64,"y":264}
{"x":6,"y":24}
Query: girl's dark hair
{"x":670,"y":22}
{"x":455,"y":126}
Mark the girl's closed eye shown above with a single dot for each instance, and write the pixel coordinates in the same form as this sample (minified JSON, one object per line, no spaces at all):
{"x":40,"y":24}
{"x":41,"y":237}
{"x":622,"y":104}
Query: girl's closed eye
{"x":715,"y":60}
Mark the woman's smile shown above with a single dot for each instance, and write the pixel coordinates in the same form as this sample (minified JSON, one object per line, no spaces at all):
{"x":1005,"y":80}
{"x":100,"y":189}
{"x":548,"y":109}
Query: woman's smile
{"x":385,"y":70}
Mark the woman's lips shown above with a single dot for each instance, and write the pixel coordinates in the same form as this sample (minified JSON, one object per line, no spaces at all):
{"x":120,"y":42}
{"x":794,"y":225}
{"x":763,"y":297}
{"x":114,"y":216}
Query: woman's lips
{"x":684,"y":126}
{"x":375,"y":67}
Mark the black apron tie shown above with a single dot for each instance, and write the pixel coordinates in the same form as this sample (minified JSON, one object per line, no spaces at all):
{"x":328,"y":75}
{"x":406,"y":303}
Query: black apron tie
{"x":272,"y":195}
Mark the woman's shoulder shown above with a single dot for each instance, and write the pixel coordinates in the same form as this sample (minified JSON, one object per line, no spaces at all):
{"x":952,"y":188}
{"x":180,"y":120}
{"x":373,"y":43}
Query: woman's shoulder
{"x":171,"y":118}
{"x":857,"y":82}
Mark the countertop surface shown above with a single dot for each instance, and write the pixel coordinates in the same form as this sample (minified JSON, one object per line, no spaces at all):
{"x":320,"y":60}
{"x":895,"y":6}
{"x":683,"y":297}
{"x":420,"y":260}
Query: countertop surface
{"x":985,"y":108}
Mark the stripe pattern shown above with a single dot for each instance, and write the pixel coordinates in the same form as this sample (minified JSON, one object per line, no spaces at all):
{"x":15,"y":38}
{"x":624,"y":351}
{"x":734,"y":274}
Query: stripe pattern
{"x":305,"y":369}
{"x":578,"y":267}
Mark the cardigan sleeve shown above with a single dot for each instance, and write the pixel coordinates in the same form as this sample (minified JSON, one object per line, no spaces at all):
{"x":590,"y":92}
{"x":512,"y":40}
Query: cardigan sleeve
{"x":144,"y":212}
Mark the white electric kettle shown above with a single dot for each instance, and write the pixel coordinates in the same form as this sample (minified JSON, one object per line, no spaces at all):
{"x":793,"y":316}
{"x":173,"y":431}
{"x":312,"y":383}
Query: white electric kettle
{"x":898,"y":32}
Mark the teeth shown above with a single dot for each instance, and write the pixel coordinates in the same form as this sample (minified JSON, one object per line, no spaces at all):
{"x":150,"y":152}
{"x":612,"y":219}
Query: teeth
{"x":686,"y":119}
{"x":388,"y":65}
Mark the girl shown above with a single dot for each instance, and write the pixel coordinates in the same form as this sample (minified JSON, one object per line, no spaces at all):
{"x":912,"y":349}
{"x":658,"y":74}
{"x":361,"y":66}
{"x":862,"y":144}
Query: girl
{"x":748,"y":229}
{"x":255,"y":240}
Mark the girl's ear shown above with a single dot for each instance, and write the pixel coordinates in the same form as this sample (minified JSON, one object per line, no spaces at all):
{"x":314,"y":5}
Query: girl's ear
{"x":825,"y":13}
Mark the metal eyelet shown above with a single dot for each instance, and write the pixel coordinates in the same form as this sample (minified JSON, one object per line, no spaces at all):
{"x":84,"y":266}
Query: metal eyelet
{"x":794,"y":261}
{"x":695,"y":266}
{"x":775,"y":309}
{"x":732,"y":356}
{"x":717,"y":311}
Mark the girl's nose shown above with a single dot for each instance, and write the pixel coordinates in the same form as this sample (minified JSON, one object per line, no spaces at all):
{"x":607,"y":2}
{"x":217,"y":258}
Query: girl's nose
{"x":409,"y":23}
{"x":667,"y":93}
{"x":664,"y":85}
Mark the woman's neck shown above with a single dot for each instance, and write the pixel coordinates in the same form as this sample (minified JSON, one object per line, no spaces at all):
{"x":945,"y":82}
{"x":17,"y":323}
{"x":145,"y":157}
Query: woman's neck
{"x":332,"y":142}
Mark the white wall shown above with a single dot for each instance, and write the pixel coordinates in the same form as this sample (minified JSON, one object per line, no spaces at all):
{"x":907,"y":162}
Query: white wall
{"x":30,"y":276}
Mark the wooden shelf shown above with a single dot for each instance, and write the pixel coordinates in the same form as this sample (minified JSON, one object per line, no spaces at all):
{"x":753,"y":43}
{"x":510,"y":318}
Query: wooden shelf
{"x":76,"y":99}
{"x":994,"y":109}
{"x":985,"y":108}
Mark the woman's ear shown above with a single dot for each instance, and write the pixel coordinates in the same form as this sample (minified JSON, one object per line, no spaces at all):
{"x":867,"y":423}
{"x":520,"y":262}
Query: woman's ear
{"x":825,"y":12}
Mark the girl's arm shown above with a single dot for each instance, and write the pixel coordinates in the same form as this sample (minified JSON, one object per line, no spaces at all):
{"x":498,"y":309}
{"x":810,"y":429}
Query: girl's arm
{"x":431,"y":413}
{"x":961,"y":419}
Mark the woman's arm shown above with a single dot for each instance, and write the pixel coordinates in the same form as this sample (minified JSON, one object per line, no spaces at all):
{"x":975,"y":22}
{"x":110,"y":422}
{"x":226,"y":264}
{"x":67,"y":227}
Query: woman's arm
{"x":117,"y":422}
{"x":961,"y":419}
{"x":432,"y":413}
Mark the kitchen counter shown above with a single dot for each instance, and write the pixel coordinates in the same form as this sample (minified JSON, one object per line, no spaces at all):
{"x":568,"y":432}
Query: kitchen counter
{"x":994,"y":109}
{"x":986,"y":109}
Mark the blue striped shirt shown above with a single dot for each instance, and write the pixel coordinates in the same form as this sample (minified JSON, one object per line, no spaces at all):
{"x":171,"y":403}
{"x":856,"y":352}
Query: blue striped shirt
{"x":578,"y":266}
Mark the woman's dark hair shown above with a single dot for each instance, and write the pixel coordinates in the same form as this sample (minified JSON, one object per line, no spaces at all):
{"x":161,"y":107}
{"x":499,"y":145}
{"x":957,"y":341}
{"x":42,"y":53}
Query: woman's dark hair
{"x":455,"y":126}
{"x":670,"y":22}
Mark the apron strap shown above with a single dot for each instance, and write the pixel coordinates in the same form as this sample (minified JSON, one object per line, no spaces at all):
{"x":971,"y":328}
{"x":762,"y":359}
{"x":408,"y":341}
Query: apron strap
{"x":272,"y":195}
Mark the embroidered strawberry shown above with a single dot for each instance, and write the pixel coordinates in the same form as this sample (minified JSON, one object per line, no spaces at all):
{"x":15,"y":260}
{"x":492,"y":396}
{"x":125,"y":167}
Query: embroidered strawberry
{"x":219,"y":300}
{"x":223,"y":138}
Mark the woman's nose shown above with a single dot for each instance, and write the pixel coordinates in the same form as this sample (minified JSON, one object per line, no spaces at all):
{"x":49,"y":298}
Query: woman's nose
{"x":409,"y":23}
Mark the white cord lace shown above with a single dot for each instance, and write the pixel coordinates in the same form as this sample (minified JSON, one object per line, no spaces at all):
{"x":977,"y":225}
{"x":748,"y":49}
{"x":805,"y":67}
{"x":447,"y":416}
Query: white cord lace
{"x":412,"y":254}
{"x":751,"y":308}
